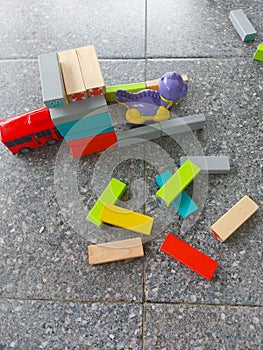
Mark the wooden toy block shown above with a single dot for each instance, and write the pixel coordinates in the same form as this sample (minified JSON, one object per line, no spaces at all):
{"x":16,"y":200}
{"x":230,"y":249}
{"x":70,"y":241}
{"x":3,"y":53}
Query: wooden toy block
{"x":111,"y":194}
{"x":210,"y":164}
{"x":75,"y":111}
{"x":71,"y":136}
{"x":130,"y":220}
{"x":189,"y":256}
{"x":147,"y":132}
{"x":114,"y":251}
{"x":92,"y":147}
{"x":182,"y":124}
{"x":96,"y":139}
{"x":111,"y":90}
{"x":259,"y":53}
{"x":94,"y":124}
{"x":51,"y":81}
{"x":95,"y":148}
{"x":234,"y":218}
{"x":178,"y":182}
{"x":183,"y":203}
{"x":90,"y":69}
{"x":72,"y":75}
{"x":154,"y":84}
{"x":242,"y":25}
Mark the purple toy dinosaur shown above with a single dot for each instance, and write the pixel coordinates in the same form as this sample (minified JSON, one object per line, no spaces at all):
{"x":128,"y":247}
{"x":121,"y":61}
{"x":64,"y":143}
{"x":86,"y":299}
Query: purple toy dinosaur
{"x":154,"y":105}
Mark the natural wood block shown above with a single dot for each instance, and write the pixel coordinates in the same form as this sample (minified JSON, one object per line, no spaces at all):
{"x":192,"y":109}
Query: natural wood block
{"x":128,"y":219}
{"x":72,"y":76}
{"x":113,"y":251}
{"x":234,"y":218}
{"x":90,"y":69}
{"x":154,"y":84}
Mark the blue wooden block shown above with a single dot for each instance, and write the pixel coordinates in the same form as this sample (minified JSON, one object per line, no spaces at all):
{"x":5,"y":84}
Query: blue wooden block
{"x":94,"y":125}
{"x":183,"y":203}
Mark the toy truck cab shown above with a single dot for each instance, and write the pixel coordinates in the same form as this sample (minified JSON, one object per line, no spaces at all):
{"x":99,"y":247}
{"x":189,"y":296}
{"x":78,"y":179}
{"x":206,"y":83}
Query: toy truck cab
{"x":24,"y":132}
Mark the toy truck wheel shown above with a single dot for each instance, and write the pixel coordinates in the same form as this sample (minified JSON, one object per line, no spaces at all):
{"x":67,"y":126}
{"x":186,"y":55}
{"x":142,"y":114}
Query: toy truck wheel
{"x":51,"y":142}
{"x":24,"y":150}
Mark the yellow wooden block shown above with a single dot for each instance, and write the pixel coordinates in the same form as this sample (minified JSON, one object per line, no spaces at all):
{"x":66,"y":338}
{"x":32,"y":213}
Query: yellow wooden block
{"x":90,"y":68}
{"x":234,"y":218}
{"x":72,"y":76}
{"x":121,"y":217}
{"x":113,"y":251}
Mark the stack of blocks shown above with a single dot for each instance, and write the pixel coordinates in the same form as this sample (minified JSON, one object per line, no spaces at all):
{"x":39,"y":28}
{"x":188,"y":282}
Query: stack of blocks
{"x":73,"y":88}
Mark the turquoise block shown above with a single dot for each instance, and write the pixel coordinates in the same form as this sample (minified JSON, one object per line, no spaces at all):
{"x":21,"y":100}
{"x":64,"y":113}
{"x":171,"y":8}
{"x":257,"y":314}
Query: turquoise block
{"x":70,"y":136}
{"x":95,"y":124}
{"x":183,"y":203}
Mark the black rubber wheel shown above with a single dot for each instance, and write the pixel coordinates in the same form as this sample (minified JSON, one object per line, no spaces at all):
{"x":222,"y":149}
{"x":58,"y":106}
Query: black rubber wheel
{"x":24,"y":150}
{"x":51,"y":142}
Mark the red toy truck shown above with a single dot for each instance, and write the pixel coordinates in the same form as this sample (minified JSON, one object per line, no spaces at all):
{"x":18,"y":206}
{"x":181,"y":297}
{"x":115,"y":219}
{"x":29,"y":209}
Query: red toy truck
{"x":21,"y":133}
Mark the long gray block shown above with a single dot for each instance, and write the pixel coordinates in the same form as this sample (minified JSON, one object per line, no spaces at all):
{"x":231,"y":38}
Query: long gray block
{"x":51,"y":81}
{"x":77,"y":110}
{"x":242,"y":25}
{"x":209,"y":164}
{"x":147,"y":132}
{"x":182,"y":124}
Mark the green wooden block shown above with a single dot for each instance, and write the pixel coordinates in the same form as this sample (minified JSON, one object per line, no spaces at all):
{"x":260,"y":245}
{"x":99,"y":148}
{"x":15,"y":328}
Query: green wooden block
{"x":110,"y":195}
{"x":178,"y":182}
{"x":111,"y":90}
{"x":259,"y":53}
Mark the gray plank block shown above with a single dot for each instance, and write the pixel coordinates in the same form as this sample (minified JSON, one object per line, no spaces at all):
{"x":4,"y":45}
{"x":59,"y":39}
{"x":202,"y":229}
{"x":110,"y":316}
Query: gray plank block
{"x":242,"y":25}
{"x":183,"y":124}
{"x":51,"y":81}
{"x":139,"y":134}
{"x":77,"y":110}
{"x":209,"y":164}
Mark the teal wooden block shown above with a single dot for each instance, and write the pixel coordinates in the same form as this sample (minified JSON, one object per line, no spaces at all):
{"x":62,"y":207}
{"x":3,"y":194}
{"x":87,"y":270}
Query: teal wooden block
{"x":183,"y":203}
{"x":70,"y":136}
{"x":93,"y":125}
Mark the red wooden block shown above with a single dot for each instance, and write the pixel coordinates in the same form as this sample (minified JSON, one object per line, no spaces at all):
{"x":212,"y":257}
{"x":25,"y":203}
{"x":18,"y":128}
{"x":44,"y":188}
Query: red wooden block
{"x":92,"y":144}
{"x":189,"y":256}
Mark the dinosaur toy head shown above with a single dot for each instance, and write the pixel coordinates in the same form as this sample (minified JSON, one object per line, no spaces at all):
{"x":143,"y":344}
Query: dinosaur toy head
{"x":172,"y":86}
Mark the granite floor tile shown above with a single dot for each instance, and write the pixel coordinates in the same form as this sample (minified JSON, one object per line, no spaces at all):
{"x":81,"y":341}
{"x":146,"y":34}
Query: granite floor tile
{"x":198,"y":29}
{"x":44,"y":241}
{"x":202,"y":327}
{"x":57,"y":325}
{"x":34,"y":28}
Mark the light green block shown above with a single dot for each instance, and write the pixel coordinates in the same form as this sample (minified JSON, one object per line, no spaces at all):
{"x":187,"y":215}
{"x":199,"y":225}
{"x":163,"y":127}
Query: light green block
{"x":259,"y":53}
{"x":178,"y":182}
{"x":111,"y":90}
{"x":110,"y":195}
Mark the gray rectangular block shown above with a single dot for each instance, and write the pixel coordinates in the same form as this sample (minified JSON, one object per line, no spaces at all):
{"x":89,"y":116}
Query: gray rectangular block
{"x":77,"y":110}
{"x":209,"y":164}
{"x":51,"y":81}
{"x":242,"y":25}
{"x":182,"y":124}
{"x":142,"y":133}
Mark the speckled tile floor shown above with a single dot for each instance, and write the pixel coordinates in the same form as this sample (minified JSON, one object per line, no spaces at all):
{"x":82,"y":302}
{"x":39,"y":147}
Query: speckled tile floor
{"x":50,"y":297}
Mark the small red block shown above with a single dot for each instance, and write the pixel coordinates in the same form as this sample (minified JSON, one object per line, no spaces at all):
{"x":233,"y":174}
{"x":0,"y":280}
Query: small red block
{"x":189,"y":256}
